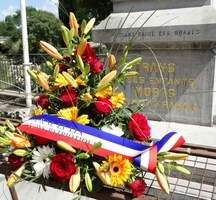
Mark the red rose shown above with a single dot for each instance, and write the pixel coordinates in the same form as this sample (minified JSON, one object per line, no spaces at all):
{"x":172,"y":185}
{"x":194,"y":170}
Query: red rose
{"x":69,"y":96}
{"x":62,"y":166}
{"x":95,"y":65}
{"x":102,"y":105}
{"x":15,"y":161}
{"x":41,"y":140}
{"x":137,"y":187}
{"x":42,"y":101}
{"x":67,"y":59}
{"x":138,"y":126}
{"x":88,"y":54}
{"x":63,"y":68}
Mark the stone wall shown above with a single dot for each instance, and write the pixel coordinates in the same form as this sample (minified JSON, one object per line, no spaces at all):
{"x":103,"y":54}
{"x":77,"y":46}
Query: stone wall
{"x":176,"y":40}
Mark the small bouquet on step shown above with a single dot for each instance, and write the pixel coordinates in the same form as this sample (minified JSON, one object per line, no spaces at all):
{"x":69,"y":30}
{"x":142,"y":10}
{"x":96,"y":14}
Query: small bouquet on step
{"x":82,"y":133}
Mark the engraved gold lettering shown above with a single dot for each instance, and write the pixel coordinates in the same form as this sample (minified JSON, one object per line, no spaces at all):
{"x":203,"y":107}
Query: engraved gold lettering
{"x":171,"y":93}
{"x":192,"y":82}
{"x":186,"y":106}
{"x":171,"y":67}
{"x":178,"y":106}
{"x":138,"y":91}
{"x":145,"y":67}
{"x":147,"y":92}
{"x":193,"y":107}
{"x":153,"y":68}
{"x":156,"y":92}
{"x":151,"y":80}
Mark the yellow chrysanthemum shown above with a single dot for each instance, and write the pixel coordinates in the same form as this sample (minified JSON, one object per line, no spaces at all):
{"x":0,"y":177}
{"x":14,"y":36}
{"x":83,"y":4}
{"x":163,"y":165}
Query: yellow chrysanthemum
{"x":104,"y":93}
{"x":117,"y":100}
{"x":37,"y":111}
{"x":60,"y":81}
{"x":72,"y":115}
{"x":119,"y":169}
{"x":80,"y":81}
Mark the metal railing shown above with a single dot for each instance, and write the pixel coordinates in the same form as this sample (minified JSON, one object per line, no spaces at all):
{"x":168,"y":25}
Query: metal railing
{"x":12,"y":73}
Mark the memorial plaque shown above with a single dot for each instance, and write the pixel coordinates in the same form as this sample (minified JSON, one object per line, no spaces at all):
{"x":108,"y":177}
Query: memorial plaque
{"x":177,"y":72}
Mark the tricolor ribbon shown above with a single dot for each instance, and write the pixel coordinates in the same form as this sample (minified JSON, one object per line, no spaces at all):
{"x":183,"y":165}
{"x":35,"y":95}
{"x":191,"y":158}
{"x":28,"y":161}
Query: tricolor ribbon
{"x":84,"y":137}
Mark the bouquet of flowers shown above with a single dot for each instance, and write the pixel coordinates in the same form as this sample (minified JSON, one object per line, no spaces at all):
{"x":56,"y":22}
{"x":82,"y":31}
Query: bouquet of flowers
{"x":82,"y":133}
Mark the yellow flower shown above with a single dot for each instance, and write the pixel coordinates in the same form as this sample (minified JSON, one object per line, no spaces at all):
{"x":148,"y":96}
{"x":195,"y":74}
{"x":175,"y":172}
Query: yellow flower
{"x":37,"y":111}
{"x":60,"y":81}
{"x":80,"y":81}
{"x":104,"y":93}
{"x":119,"y":169}
{"x":87,"y":97}
{"x":72,"y":115}
{"x":117,"y":100}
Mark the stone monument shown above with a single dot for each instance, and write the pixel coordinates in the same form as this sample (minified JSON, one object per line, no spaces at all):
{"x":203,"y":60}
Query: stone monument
{"x":177,"y":42}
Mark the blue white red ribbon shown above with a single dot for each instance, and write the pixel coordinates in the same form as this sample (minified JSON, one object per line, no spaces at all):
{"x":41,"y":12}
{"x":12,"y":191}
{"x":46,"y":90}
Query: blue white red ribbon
{"x":84,"y":137}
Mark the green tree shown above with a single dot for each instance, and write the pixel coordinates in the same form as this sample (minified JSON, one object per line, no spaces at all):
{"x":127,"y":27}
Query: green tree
{"x":41,"y":25}
{"x":3,"y":31}
{"x":85,"y":9}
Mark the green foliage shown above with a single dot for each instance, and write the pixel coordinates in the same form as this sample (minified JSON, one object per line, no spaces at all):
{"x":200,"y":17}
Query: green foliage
{"x":41,"y":25}
{"x":83,"y":9}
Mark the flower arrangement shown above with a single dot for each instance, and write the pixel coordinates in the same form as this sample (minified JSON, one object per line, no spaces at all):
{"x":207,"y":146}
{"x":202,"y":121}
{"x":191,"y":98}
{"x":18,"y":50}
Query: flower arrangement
{"x":82,"y":132}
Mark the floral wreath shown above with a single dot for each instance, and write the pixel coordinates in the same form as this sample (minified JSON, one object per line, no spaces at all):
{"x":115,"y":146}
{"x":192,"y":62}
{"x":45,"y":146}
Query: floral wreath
{"x":82,"y":89}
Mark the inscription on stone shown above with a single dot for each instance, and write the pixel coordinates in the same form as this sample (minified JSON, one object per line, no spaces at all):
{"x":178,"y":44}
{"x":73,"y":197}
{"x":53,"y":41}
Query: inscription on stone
{"x":176,"y":88}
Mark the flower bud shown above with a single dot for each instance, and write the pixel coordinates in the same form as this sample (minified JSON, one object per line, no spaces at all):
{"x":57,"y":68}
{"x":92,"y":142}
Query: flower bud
{"x":49,"y":64}
{"x":83,"y":25}
{"x":4,"y":141}
{"x":20,"y":152}
{"x":65,"y":34}
{"x":107,"y":78}
{"x":73,"y":24}
{"x":2,"y":129}
{"x":131,"y":74}
{"x":32,"y":74}
{"x":176,"y":156}
{"x":131,"y":63}
{"x":89,"y":25}
{"x":10,"y":125}
{"x":9,"y":134}
{"x":162,"y":181}
{"x":74,"y":181}
{"x":96,"y":146}
{"x":42,"y":82}
{"x":88,"y":182}
{"x":51,"y":50}
{"x":111,"y":62}
{"x":65,"y":146}
{"x":80,"y":63}
{"x":81,"y":46}
{"x":70,"y":79}
{"x":83,"y":156}
{"x":56,"y":71}
{"x":15,"y":176}
{"x":160,"y":167}
{"x":182,"y":169}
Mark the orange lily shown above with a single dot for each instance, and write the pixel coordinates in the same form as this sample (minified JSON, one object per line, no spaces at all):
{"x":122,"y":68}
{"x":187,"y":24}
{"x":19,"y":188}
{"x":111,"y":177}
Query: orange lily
{"x":19,"y":141}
